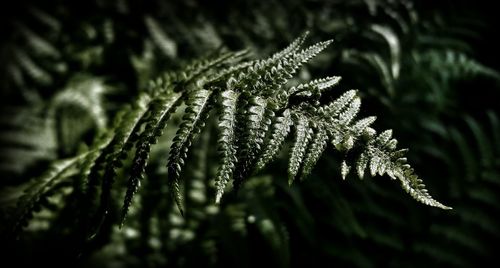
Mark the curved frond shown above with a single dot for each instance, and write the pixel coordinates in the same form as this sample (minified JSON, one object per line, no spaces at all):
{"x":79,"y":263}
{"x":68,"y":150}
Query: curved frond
{"x":160,"y":114}
{"x":302,"y":139}
{"x":385,"y":159}
{"x":197,"y":110}
{"x":314,"y":152}
{"x":279,"y":132}
{"x":250,"y":141}
{"x":226,"y":142}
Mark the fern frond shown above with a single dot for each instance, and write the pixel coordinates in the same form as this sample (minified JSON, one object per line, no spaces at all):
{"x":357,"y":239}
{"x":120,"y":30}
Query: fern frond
{"x":256,"y":112}
{"x":315,"y":87}
{"x":334,"y":109}
{"x":279,"y":132}
{"x":307,"y":54}
{"x":339,"y":114}
{"x":288,"y":66}
{"x":315,"y":150}
{"x":414,"y":186}
{"x":251,"y":139}
{"x":360,"y":126}
{"x":197,"y":68}
{"x":292,"y":48}
{"x":197,"y":110}
{"x":452,"y":64}
{"x":350,"y":113}
{"x":266,"y":76}
{"x":361,"y":164}
{"x":119,"y":147}
{"x":160,"y":114}
{"x":385,"y":159}
{"x":226,"y":141}
{"x":379,"y":152}
{"x":344,"y":169}
{"x":302,"y":139}
{"x":94,"y":163}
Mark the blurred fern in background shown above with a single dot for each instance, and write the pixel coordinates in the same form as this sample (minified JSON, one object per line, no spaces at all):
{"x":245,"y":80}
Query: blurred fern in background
{"x":427,"y":70}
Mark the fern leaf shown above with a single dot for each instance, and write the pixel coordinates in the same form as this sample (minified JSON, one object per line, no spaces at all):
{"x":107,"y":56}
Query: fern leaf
{"x":384,"y":137}
{"x":350,"y":113}
{"x":127,"y":131}
{"x":128,"y":128}
{"x":379,"y":154}
{"x":265,"y":77}
{"x":308,"y":53}
{"x":199,"y":67}
{"x":339,"y":114}
{"x":252,"y":139}
{"x":293,"y":47}
{"x":334,"y":109}
{"x":119,"y":148}
{"x":302,"y":138}
{"x":375,"y":164}
{"x":344,"y":170}
{"x":360,"y":126}
{"x":93,"y":164}
{"x":316,"y":86}
{"x":196,"y":113}
{"x":286,"y":67}
{"x":279,"y":132}
{"x":154,"y":128}
{"x":316,"y":148}
{"x":385,"y":159}
{"x":415,"y":187}
{"x":251,"y":94}
{"x":258,"y":114}
{"x":226,"y":141}
{"x":361,"y":164}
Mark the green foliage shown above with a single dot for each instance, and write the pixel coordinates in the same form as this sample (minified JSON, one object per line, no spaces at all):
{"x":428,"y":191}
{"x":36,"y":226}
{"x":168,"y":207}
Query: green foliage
{"x":244,"y":123}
